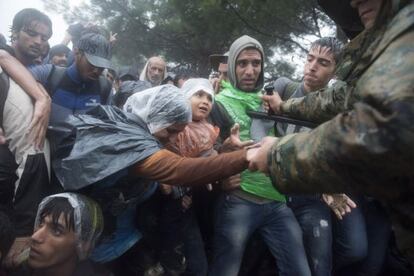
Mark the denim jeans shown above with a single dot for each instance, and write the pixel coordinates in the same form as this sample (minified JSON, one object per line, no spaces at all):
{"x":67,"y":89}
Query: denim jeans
{"x":361,"y":239}
{"x":314,"y":218}
{"x":237,"y":219}
{"x":180,"y":236}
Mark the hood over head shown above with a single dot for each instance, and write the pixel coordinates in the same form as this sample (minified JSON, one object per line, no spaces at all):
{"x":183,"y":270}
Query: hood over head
{"x":144,"y":73}
{"x":236,"y":48}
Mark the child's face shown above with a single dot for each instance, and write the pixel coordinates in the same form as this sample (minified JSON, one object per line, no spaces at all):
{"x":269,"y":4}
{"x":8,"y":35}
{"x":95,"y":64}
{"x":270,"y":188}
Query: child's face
{"x":201,"y":104}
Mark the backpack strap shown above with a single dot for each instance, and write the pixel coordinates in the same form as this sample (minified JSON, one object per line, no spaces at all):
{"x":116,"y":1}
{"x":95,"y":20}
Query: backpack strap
{"x":57,"y":73}
{"x":105,"y":88}
{"x":54,"y":79}
{"x":4,"y":90}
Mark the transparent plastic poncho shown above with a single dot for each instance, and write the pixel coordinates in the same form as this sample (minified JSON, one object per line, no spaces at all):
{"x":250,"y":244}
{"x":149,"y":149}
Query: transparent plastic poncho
{"x":198,"y":138}
{"x":160,"y":107}
{"x":87,"y":217}
{"x":192,"y":86}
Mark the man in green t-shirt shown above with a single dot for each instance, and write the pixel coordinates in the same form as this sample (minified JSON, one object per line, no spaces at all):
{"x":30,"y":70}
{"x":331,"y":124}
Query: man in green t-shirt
{"x":255,"y":205}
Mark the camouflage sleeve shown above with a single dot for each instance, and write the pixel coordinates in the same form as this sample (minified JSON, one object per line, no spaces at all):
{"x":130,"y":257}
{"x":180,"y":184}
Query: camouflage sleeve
{"x":367,"y":149}
{"x":322,"y":105}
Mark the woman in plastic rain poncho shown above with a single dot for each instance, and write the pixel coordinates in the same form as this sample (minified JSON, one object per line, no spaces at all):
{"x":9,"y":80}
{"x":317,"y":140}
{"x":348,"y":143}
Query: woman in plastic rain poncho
{"x":115,"y":153}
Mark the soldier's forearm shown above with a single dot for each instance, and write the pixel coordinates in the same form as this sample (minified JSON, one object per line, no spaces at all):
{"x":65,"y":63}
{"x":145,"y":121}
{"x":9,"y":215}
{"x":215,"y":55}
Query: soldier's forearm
{"x":322,"y":105}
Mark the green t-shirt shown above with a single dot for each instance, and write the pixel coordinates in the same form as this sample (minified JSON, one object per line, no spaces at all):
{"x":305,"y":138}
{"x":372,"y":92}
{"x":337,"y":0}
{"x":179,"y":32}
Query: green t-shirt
{"x":236,"y":104}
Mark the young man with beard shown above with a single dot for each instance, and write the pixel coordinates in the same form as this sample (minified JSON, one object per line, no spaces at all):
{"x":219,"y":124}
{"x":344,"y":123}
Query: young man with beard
{"x":81,"y":86}
{"x":312,"y":214}
{"x":67,"y":227}
{"x":254,"y":205}
{"x":30,"y":32}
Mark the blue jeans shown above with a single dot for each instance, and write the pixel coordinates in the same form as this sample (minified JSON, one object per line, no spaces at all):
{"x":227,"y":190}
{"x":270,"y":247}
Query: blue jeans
{"x":179,"y":228}
{"x":237,"y":219}
{"x":314,"y":218}
{"x":361,"y":239}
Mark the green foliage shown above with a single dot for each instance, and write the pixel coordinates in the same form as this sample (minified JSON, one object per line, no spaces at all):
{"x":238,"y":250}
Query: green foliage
{"x":188,"y":31}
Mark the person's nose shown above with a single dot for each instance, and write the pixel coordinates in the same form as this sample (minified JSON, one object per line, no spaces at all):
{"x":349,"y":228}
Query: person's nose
{"x":249,"y":69}
{"x":37,"y":39}
{"x":313,"y":65}
{"x":204,"y":100}
{"x":39,"y":235}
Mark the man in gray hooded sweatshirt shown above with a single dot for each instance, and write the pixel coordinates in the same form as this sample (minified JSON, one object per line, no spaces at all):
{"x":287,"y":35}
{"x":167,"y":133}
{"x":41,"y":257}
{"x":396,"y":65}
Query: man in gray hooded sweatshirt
{"x":254,"y":205}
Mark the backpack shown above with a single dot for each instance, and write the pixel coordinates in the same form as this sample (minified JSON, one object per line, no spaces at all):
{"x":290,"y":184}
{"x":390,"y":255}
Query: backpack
{"x":57,"y":74}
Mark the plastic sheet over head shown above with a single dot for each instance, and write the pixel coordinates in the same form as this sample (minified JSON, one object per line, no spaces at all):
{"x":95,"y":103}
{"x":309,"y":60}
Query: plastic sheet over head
{"x":160,"y":107}
{"x":192,"y":86}
{"x":97,"y":146}
{"x":87,"y":217}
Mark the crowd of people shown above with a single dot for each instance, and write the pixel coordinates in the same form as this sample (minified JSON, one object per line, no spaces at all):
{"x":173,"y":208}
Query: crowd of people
{"x":120,"y":172}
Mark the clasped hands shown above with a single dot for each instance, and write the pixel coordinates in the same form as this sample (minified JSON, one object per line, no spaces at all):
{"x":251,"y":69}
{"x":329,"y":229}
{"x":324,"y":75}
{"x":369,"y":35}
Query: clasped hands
{"x":256,"y":153}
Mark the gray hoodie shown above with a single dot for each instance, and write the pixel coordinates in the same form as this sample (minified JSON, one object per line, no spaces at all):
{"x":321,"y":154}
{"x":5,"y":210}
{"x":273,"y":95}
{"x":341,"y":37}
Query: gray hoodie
{"x":239,"y":45}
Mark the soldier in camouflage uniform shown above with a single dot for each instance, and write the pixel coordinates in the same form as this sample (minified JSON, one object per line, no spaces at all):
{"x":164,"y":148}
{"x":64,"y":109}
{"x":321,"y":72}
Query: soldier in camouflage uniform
{"x":366,"y":141}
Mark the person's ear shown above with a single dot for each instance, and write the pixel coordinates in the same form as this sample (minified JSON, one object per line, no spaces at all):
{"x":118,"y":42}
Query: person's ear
{"x":77,"y":53}
{"x":14,"y":36}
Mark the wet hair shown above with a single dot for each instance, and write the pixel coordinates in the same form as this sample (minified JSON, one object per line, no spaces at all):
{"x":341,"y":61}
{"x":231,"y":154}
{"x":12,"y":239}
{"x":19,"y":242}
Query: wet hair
{"x":58,"y":49}
{"x":332,"y":43}
{"x":55,"y":208}
{"x":25,"y":17}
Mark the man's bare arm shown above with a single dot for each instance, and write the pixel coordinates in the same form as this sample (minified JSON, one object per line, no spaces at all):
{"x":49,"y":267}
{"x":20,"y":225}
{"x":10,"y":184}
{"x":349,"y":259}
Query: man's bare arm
{"x":22,"y":77}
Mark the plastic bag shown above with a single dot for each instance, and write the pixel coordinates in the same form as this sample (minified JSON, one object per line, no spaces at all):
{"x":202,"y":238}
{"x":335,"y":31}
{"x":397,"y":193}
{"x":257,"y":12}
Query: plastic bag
{"x":96,"y":146}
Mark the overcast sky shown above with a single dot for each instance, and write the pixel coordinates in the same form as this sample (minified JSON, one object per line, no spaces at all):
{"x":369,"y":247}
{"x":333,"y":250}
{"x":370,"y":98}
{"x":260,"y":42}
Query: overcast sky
{"x":9,"y":8}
